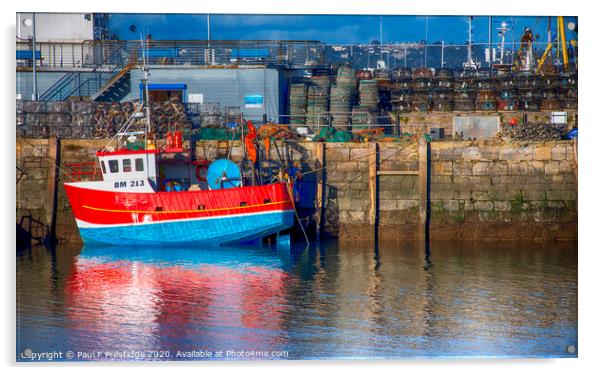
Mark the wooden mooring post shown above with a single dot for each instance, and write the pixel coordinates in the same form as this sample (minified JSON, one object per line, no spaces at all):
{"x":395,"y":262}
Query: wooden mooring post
{"x":423,"y":185}
{"x":372,"y":184}
{"x":319,"y":152}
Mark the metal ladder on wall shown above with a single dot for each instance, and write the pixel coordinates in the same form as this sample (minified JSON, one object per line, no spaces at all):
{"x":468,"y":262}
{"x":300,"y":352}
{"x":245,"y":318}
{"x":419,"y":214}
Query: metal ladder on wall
{"x":89,"y":83}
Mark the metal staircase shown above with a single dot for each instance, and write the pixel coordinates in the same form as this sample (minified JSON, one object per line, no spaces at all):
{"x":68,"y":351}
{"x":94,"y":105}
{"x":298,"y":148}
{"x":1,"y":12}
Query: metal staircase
{"x":96,"y":82}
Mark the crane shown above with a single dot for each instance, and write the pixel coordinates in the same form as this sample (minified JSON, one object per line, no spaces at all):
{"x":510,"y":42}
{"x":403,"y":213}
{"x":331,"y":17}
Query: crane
{"x":561,"y":39}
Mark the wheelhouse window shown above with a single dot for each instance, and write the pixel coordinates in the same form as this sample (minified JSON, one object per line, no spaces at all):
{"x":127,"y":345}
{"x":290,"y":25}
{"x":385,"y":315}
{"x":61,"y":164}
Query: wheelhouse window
{"x":127,"y":165}
{"x":139,"y":165}
{"x":102,"y":166}
{"x":114,"y":166}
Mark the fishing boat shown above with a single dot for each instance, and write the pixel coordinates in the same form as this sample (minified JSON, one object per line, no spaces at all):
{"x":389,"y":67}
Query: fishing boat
{"x":131,"y":206}
{"x":162,"y":196}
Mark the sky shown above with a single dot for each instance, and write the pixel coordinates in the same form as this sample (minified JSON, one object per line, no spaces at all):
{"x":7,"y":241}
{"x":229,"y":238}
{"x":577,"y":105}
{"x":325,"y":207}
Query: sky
{"x":330,"y":29}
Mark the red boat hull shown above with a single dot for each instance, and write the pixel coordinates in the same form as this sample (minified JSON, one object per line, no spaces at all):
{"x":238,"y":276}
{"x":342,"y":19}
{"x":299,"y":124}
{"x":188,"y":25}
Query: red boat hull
{"x":208,"y":216}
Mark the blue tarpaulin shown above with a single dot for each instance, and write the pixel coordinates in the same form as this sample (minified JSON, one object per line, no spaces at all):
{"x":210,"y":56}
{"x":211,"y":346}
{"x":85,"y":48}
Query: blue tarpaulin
{"x":165,"y":86}
{"x":27,"y":55}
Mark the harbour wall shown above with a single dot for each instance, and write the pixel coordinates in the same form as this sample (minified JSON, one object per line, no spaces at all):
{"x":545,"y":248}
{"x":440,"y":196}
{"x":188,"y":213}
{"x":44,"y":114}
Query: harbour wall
{"x":478,"y":190}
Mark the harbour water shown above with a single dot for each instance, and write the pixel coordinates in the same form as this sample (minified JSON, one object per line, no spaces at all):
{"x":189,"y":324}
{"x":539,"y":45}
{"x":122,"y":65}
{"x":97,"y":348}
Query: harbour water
{"x":329,"y":301}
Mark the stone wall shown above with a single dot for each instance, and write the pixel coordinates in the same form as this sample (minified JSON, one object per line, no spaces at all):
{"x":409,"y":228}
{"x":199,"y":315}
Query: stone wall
{"x":496,"y":190}
{"x":32,"y":179}
{"x":478,"y":190}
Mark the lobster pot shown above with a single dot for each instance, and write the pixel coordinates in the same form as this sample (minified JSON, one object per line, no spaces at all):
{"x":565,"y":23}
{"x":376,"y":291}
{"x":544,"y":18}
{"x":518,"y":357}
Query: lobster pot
{"x":83,"y":108}
{"x":346,"y":77}
{"x":232,"y":115}
{"x":444,"y":73}
{"x":502,"y":72}
{"x":420,"y":105}
{"x":444,"y":83}
{"x":362,"y":118}
{"x":368,"y":92}
{"x":568,"y":81}
{"x":59,"y":119}
{"x":550,"y":104}
{"x":82,"y":132}
{"x":509,"y":104}
{"x":209,"y":120}
{"x":401,"y":103}
{"x":210,"y":108}
{"x":58,"y":107}
{"x":298,"y":103}
{"x":464,"y":84}
{"x":528,"y":82}
{"x":422,"y":73}
{"x":382,"y":75}
{"x":530,"y":101}
{"x":401,"y":74}
{"x":443,"y":100}
{"x":464,"y":105}
{"x":322,"y":82}
{"x":570,"y":104}
{"x":127,"y":107}
{"x":401,"y":99}
{"x":508,"y":83}
{"x":20,"y":119}
{"x":443,"y":106}
{"x":570,"y":93}
{"x":36,"y":119}
{"x":506,"y":94}
{"x":464,"y":95}
{"x":485,"y":84}
{"x":60,"y":131}
{"x":317,"y":106}
{"x":340,"y":105}
{"x":422,"y":83}
{"x":363,"y":74}
{"x":549,"y":83}
{"x":486,"y":105}
{"x":21,"y":131}
{"x":421,"y":101}
{"x":549,"y":93}
{"x":35,"y":131}
{"x":486,"y":95}
{"x":19,"y":106}
{"x":34,"y":106}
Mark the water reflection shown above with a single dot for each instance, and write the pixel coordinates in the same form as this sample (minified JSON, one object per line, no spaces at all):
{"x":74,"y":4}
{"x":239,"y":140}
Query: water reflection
{"x":226,"y":299}
{"x":327,"y":301}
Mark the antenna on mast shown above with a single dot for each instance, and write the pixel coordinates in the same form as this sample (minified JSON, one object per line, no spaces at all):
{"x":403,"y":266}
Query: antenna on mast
{"x":380,"y":64}
{"x":470,"y":63}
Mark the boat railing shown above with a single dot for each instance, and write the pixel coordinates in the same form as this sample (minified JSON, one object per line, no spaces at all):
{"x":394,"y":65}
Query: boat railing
{"x":85,"y":171}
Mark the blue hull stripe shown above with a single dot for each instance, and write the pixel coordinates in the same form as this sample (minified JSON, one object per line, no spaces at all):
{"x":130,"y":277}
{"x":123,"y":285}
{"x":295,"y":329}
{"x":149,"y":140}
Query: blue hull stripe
{"x":219,"y":231}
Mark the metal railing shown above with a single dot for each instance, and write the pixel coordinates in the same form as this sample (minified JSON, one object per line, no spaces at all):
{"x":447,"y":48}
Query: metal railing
{"x":89,"y":54}
{"x":110,"y":61}
{"x":299,"y":54}
{"x":83,"y":171}
{"x":435,"y":55}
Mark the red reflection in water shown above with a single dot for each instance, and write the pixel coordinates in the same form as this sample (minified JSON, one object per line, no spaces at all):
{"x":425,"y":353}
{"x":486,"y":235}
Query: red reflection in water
{"x":134,"y":305}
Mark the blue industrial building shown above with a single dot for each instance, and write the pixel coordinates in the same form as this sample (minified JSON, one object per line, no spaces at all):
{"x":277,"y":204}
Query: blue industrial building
{"x":250,"y":75}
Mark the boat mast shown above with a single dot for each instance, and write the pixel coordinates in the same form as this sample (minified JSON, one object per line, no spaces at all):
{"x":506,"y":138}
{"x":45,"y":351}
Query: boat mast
{"x":145,"y":79}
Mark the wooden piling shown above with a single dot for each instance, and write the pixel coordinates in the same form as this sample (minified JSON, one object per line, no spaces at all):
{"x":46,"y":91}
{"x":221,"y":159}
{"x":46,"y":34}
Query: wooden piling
{"x":576,"y":160}
{"x":319,"y":152}
{"x":52,"y":185}
{"x":423,"y":180}
{"x":372,"y":174}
